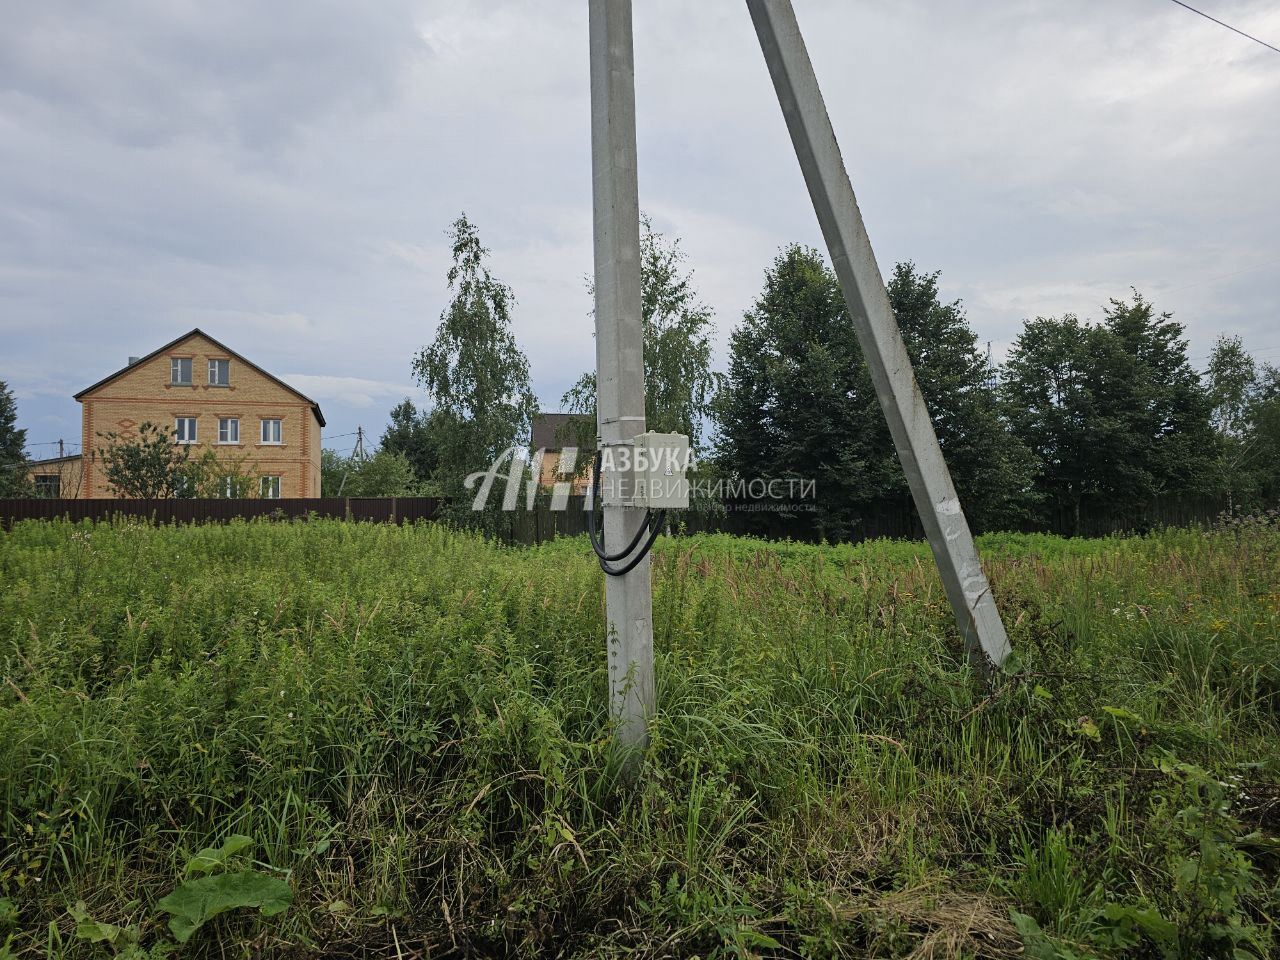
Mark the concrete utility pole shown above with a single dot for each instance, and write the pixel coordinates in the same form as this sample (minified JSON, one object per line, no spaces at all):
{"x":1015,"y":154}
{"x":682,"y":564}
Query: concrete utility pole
{"x":877,"y":330}
{"x":619,"y":343}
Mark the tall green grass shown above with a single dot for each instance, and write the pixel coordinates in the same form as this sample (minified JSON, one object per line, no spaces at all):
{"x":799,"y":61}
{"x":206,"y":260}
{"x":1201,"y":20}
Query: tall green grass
{"x":411,"y":726}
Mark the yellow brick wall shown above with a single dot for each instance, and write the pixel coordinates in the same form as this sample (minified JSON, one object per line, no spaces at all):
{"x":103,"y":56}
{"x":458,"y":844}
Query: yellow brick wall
{"x":550,"y":474}
{"x":144,"y":393}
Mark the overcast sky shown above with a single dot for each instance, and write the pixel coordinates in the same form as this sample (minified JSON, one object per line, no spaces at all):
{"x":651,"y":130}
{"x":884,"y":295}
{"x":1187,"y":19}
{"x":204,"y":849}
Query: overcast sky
{"x":282,"y":174}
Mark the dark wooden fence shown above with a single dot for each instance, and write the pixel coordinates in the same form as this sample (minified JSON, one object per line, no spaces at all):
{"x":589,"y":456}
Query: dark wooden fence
{"x":1097,"y":519}
{"x":896,"y":519}
{"x":381,"y":509}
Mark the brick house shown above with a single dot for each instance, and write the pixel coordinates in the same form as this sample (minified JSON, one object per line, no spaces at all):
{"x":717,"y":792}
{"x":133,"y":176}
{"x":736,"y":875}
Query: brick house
{"x":210,"y":397}
{"x":552,"y":432}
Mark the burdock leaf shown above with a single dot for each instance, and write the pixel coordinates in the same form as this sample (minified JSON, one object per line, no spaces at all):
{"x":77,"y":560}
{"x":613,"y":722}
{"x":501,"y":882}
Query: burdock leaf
{"x":210,"y":858}
{"x":197,"y":901}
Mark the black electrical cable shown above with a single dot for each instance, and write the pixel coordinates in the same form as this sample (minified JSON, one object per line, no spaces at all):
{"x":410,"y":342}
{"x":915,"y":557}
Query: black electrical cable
{"x":652,"y":525}
{"x":597,"y":541}
{"x":640,"y":554}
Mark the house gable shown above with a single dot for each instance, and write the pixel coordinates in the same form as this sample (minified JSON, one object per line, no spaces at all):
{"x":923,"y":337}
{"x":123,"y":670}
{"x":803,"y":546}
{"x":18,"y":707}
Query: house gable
{"x":153,"y":373}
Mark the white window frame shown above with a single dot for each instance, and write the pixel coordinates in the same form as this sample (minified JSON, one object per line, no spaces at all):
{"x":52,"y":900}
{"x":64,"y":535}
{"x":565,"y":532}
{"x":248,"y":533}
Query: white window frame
{"x":269,"y":488}
{"x":178,"y":431}
{"x":228,"y":487}
{"x":213,"y":367}
{"x":228,"y":429}
{"x":279,"y":431}
{"x":175,"y":371}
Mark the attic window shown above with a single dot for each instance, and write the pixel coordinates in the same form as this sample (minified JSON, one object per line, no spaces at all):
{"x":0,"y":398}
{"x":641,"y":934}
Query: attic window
{"x":180,"y":371}
{"x":219,"y":373}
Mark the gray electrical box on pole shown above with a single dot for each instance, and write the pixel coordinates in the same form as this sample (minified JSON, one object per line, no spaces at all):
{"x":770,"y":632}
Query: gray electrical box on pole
{"x":619,"y":356}
{"x":877,"y":331}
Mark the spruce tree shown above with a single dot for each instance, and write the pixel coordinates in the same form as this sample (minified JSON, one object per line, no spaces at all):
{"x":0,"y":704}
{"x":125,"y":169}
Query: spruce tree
{"x":13,"y":441}
{"x":991,"y":468}
{"x":799,"y":400}
{"x":795,"y":403}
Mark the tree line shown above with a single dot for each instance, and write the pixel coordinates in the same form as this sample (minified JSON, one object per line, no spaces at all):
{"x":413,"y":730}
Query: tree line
{"x":1107,"y":413}
{"x":1080,"y":414}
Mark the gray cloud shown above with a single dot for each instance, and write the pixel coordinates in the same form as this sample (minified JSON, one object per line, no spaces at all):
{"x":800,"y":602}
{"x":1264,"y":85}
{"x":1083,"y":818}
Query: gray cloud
{"x":147,"y":73}
{"x":282,"y":175}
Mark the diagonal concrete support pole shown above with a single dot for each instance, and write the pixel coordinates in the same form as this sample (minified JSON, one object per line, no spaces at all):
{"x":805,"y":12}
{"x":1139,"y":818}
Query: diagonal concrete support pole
{"x":619,"y":357}
{"x":877,"y":331}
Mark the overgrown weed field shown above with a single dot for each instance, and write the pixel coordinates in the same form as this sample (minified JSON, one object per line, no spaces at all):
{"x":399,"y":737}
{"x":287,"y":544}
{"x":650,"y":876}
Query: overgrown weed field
{"x":330,"y":739}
